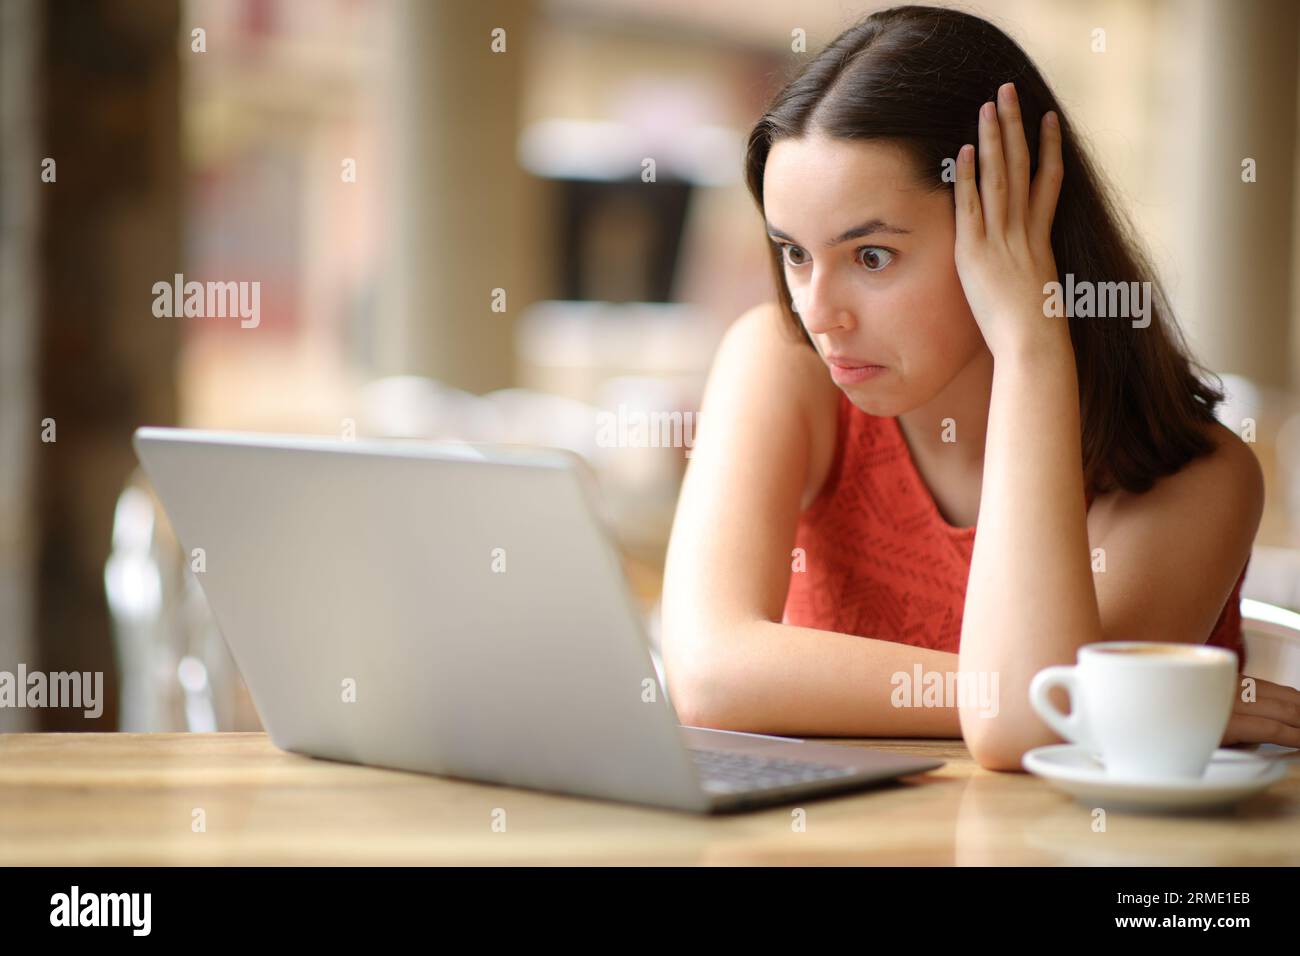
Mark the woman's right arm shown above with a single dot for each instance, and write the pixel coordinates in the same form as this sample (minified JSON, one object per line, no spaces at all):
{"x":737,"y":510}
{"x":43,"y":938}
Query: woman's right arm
{"x":729,"y":662}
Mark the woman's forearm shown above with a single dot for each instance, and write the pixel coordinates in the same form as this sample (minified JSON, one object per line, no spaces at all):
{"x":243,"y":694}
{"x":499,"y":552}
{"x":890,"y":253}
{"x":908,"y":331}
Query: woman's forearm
{"x":766,"y":677}
{"x":1030,"y":598}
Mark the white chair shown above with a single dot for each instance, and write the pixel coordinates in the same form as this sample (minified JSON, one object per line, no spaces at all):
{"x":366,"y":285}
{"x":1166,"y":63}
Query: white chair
{"x":1271,"y":635}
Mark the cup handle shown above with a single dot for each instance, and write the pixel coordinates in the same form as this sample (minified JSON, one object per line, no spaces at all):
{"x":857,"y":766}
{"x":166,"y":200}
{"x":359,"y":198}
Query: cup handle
{"x":1072,"y":726}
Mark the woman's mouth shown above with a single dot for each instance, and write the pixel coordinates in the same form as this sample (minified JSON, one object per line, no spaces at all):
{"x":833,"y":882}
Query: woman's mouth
{"x":847,"y":371}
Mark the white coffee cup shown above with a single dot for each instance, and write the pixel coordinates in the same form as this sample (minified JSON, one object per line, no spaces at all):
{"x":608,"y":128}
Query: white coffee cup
{"x":1147,"y":710}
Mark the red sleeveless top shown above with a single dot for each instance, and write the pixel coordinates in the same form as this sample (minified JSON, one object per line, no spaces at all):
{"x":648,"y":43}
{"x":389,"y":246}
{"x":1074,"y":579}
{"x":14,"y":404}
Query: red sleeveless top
{"x":882,"y":562}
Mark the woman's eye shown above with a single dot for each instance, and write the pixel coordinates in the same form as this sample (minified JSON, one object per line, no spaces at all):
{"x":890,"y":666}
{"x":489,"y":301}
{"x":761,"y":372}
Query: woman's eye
{"x":793,"y":255}
{"x":875,"y":258}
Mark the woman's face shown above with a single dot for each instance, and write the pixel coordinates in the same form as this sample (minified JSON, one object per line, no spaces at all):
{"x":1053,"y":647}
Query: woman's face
{"x":868,"y":258}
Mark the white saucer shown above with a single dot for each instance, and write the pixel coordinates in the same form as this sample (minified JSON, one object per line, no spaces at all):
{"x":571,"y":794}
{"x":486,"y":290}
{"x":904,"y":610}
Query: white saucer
{"x":1231,"y":776}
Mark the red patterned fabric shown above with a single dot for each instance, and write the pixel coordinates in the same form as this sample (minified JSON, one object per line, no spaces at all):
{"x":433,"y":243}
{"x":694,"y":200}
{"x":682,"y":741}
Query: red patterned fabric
{"x":882,"y":562}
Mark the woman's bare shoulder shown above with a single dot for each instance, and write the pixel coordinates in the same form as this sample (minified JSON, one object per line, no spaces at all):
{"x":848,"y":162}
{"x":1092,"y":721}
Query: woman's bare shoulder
{"x":1224,"y":488}
{"x":1236,"y":469}
{"x":763,"y":331}
{"x":1230,"y":474}
{"x":782,"y":367}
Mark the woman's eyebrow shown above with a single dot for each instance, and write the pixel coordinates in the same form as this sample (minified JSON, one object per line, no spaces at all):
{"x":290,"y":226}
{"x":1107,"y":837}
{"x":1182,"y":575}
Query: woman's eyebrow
{"x":867,"y":228}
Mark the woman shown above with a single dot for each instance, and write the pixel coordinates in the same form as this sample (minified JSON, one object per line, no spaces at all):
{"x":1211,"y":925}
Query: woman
{"x":916,"y":378}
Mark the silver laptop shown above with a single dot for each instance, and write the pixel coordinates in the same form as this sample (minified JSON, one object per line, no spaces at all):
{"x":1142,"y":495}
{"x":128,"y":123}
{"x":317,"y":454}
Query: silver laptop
{"x":458,"y":610}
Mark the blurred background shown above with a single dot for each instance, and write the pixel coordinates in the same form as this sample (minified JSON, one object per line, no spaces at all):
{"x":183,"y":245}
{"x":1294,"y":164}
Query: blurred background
{"x":457,"y":233}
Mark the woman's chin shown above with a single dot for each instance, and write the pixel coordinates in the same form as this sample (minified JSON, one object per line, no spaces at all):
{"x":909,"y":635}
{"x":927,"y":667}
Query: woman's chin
{"x":873,"y":403}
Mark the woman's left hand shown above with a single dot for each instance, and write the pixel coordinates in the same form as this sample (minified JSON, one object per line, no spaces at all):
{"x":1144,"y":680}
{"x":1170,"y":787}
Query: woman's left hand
{"x":1004,"y":227}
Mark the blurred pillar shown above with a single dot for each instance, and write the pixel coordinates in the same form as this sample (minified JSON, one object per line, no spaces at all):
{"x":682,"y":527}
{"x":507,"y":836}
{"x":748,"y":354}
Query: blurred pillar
{"x":1240,"y":97}
{"x":19,"y":183}
{"x":111,"y":228}
{"x":464,"y":216}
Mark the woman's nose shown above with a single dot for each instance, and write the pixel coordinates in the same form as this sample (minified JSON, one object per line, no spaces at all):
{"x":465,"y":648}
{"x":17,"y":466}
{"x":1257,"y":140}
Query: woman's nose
{"x":820,"y":308}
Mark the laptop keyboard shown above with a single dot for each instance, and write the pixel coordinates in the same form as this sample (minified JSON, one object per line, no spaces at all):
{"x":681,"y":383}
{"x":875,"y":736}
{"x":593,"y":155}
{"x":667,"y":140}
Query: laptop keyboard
{"x":722,"y":770}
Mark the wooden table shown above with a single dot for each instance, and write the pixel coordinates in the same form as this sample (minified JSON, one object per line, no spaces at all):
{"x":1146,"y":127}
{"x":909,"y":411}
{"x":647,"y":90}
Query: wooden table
{"x":128,"y":799}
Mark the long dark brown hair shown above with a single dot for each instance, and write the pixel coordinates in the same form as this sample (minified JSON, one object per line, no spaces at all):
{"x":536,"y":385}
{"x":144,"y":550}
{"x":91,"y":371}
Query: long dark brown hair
{"x":917,"y":76}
